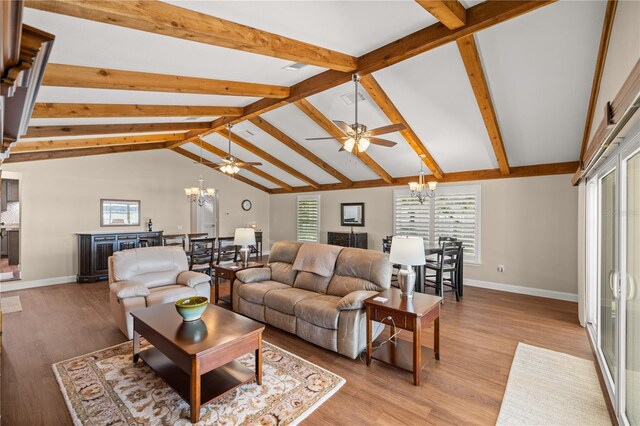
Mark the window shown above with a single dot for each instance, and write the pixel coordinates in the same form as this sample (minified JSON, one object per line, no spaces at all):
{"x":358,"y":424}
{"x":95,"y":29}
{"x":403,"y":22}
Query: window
{"x":454,"y":212}
{"x":119,"y":213}
{"x":308,"y":218}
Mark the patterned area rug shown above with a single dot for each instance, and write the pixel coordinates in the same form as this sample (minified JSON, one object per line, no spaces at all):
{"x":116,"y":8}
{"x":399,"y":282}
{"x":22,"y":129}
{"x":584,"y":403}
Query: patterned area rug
{"x":105,"y":387}
{"x":10,"y":304}
{"x":551,"y":388}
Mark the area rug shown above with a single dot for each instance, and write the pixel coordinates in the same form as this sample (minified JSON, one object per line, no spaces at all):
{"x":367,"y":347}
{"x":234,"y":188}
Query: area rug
{"x":105,"y":387}
{"x":551,"y":388}
{"x":10,"y":304}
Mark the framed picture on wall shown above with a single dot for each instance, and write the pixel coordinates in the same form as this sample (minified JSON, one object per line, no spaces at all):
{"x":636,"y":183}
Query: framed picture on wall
{"x":352,"y":214}
{"x":119,"y":212}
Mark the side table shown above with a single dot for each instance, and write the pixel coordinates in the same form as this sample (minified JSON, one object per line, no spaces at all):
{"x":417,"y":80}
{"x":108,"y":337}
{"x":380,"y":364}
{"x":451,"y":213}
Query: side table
{"x":408,"y":314}
{"x":228,"y":271}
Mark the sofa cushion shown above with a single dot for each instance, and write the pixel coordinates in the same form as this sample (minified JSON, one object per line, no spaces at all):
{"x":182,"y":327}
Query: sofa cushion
{"x":126,"y":289}
{"x":321,"y":311}
{"x":285,"y":300}
{"x":312,"y":282}
{"x":192,"y":278}
{"x":316,"y":258}
{"x":255,"y":292}
{"x":168,"y":294}
{"x":128,"y":264}
{"x":355,"y":300}
{"x":358,"y":269}
{"x":253,"y":275}
{"x":283,"y":272}
{"x":158,"y":279}
{"x":284,"y":251}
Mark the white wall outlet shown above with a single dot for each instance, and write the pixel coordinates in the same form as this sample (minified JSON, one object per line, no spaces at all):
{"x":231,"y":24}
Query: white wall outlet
{"x":179,"y":227}
{"x":500,"y":268}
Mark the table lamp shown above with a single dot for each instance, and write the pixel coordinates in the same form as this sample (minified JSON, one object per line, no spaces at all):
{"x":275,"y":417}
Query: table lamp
{"x":244,"y":237}
{"x":408,"y":252}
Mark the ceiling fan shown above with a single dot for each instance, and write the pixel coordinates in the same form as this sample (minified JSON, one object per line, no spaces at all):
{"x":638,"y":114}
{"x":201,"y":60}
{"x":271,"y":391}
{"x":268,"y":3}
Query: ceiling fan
{"x":230,"y":164}
{"x":358,"y":138}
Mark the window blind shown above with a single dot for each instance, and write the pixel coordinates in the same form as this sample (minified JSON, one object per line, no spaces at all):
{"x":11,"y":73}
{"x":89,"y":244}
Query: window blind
{"x":308,"y":222}
{"x":411,"y":217}
{"x":455,"y":216}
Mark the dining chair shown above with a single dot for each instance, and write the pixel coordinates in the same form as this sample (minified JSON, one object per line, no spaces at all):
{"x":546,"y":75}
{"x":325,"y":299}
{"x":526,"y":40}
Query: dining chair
{"x":448,"y":261}
{"x":177,"y":240}
{"x":201,"y":254}
{"x":227,"y":251}
{"x":441,"y":239}
{"x":386,"y":248}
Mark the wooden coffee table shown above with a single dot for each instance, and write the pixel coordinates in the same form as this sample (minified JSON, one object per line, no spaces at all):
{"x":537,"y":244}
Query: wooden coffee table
{"x":198,"y":359}
{"x":408,"y":314}
{"x":228,"y":271}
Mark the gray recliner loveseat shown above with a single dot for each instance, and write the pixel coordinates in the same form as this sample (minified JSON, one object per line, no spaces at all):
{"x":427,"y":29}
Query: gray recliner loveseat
{"x":315,"y":291}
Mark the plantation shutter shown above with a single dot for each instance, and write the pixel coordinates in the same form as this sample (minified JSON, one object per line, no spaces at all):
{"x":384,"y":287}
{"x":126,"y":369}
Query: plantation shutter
{"x":308,"y":223}
{"x":456,"y":215}
{"x":410,"y":217}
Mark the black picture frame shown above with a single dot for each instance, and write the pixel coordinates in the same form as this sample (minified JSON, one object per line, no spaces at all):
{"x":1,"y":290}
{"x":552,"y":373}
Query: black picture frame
{"x":352,"y":214}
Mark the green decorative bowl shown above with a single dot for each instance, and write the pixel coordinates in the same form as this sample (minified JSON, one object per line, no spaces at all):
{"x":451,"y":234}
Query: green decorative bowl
{"x":191,"y":308}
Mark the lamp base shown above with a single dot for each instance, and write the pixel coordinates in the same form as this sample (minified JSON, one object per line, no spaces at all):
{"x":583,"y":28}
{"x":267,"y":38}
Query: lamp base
{"x":244,"y":252}
{"x":407,"y":281}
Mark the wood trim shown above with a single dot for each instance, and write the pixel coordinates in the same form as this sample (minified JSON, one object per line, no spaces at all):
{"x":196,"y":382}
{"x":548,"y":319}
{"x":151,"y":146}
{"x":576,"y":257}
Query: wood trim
{"x":479,"y":17}
{"x":106,"y":129}
{"x":451,"y":14}
{"x":82,"y":152}
{"x":221,"y":153}
{"x":59,"y":110}
{"x":11,"y":34}
{"x":383,"y":101}
{"x":314,"y":114}
{"x":473,"y":65}
{"x":174,"y":21}
{"x":103,"y":78}
{"x":298,"y":148}
{"x":269,"y":158}
{"x":243,"y":179}
{"x":53,"y":144}
{"x":487,"y":174}
{"x":605,"y":36}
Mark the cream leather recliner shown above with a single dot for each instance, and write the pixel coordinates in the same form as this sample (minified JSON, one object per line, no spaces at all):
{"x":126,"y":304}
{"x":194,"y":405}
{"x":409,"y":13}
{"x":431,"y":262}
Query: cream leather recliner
{"x":150,"y":276}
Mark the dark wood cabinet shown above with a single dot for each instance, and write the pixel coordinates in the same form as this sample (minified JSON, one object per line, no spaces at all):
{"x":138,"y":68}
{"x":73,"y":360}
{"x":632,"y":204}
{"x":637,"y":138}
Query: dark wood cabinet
{"x":94,"y":250}
{"x":348,"y":239}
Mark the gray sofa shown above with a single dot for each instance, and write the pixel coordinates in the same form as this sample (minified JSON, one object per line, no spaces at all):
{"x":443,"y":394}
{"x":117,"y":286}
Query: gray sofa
{"x":315,"y":291}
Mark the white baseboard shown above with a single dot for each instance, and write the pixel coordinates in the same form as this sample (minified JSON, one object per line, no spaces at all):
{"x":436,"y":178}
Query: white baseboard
{"x":510,"y":288}
{"x":21,"y":285}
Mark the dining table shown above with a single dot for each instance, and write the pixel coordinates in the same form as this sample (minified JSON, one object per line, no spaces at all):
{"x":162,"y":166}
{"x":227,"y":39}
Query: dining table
{"x":434,"y":249}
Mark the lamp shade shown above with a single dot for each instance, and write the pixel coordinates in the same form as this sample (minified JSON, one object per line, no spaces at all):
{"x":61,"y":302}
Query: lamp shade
{"x":407,"y":251}
{"x":244,"y":237}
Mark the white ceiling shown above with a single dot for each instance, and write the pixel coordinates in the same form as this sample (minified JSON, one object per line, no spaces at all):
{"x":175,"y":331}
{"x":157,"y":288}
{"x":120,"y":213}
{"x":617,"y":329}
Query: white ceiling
{"x":539,"y":68}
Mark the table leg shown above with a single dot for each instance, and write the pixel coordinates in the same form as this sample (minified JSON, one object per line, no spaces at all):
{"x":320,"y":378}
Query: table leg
{"x":420,"y":272}
{"x":259,"y":362}
{"x":460,"y":273}
{"x":216,"y":285}
{"x":195,"y":391}
{"x":417,"y":353}
{"x":436,"y":338}
{"x":136,"y":346}
{"x":232,"y":278}
{"x":369,"y":336}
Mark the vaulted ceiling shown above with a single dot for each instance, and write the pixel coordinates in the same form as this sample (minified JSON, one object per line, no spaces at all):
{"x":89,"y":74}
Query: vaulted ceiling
{"x":480,"y":97}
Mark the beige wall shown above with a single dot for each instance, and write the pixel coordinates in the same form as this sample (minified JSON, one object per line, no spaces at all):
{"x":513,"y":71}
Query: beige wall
{"x":528,"y":225}
{"x":61,"y":197}
{"x":622,"y":55}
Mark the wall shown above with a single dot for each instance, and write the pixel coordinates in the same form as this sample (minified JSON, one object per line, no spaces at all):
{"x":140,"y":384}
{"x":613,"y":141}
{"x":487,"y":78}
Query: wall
{"x":61,"y":197}
{"x":527,"y":224}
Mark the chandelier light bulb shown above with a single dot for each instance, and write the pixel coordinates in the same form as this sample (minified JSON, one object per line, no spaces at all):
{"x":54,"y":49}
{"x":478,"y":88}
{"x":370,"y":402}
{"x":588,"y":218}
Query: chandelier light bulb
{"x":363,"y":144}
{"x":349,"y":144}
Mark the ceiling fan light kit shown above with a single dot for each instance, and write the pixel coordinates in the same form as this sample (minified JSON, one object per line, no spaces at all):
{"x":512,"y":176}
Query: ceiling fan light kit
{"x":230,"y":164}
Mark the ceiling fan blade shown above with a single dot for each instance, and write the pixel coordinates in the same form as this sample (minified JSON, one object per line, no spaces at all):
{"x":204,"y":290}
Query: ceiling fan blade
{"x":248,"y":163}
{"x":382,"y":142}
{"x":342,"y":149}
{"x":316,"y":139}
{"x":386,"y":129}
{"x":344,"y":127}
{"x":226,"y":160}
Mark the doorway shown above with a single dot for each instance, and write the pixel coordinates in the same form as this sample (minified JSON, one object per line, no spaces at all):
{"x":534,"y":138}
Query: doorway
{"x":204,"y":218}
{"x":10,"y":218}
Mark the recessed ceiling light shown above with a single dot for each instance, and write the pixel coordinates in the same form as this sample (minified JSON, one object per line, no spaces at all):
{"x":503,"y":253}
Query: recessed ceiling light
{"x":350,"y":98}
{"x":190,"y":118}
{"x":294,"y":66}
{"x":248,"y":133}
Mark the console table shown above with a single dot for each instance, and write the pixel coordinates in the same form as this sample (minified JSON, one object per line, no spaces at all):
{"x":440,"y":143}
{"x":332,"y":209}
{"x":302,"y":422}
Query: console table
{"x":94,"y":249}
{"x":348,"y":239}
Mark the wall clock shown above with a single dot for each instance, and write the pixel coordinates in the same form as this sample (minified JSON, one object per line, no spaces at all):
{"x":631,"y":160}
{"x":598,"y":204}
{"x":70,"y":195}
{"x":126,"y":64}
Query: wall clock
{"x":246,"y":205}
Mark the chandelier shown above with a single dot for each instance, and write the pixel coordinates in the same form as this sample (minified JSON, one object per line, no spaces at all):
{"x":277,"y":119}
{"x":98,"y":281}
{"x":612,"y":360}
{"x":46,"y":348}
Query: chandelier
{"x":420,"y":189}
{"x":199,"y":194}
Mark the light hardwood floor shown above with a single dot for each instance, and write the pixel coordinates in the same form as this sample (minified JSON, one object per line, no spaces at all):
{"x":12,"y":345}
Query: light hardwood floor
{"x":478,"y":340}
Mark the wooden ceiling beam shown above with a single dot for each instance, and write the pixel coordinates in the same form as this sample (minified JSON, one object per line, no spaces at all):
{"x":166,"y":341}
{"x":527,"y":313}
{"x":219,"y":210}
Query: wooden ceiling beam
{"x":82,"y":152}
{"x":314,"y":114}
{"x":383,"y":101}
{"x":243,"y":179}
{"x":450,"y":13}
{"x":486,"y":174}
{"x":54,"y":144}
{"x":280,"y":136}
{"x":605,"y":36}
{"x":269,"y":158}
{"x":473,"y":65}
{"x":59,"y":110}
{"x":256,"y":171}
{"x":174,"y":21}
{"x":113,"y":129}
{"x":102,"y":78}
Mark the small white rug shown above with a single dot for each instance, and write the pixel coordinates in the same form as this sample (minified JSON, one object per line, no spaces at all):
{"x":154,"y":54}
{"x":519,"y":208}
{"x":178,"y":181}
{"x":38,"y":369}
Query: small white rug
{"x":6,"y":276}
{"x":10,"y":304}
{"x":551,"y":388}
